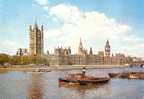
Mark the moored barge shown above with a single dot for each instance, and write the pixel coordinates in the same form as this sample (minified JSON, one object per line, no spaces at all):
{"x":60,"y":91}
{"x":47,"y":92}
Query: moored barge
{"x":83,"y":79}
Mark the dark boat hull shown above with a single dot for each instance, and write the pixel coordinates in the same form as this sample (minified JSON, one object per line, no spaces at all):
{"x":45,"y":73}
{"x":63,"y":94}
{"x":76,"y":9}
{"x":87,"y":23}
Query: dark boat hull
{"x":128,"y":75}
{"x":85,"y":82}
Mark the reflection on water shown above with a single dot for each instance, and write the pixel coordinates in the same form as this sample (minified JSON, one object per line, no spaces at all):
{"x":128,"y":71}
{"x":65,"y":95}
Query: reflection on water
{"x":3,"y":71}
{"x":35,"y":87}
{"x":24,"y":85}
{"x":85,"y":92}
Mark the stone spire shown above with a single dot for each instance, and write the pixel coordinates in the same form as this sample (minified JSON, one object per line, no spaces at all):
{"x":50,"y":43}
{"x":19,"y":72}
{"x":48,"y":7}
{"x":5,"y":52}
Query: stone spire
{"x":35,"y":25}
{"x":107,"y":44}
{"x":80,"y":44}
{"x":30,"y":28}
{"x":80,"y":48}
{"x":91,"y":51}
{"x":42,"y":28}
{"x":69,"y":50}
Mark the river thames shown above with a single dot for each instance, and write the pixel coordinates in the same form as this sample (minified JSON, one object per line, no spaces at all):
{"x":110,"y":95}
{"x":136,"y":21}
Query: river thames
{"x":32,"y":85}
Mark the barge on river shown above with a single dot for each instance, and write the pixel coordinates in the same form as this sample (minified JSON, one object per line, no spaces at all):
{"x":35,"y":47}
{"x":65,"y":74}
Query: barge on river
{"x":82,"y":79}
{"x":128,"y":75}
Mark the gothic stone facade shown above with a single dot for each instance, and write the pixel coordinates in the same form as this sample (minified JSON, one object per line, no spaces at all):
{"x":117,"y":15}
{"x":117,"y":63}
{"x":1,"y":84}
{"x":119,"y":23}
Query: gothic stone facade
{"x":63,"y":56}
{"x":35,"y":40}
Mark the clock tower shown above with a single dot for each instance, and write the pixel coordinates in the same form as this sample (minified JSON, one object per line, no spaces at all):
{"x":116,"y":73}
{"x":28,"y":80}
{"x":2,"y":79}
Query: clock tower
{"x":107,"y":49}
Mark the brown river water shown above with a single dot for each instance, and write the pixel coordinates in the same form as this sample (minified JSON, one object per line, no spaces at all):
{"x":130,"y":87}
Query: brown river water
{"x":32,"y":85}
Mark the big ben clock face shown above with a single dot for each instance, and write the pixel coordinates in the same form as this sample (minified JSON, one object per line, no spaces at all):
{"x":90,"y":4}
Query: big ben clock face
{"x":107,"y":49}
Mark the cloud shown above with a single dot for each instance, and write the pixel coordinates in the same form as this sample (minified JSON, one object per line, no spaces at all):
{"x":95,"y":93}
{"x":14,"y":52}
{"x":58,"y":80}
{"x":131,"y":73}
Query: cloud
{"x":42,"y":2}
{"x":9,"y":47}
{"x":133,"y":45}
{"x":91,"y":23}
{"x":93,"y":27}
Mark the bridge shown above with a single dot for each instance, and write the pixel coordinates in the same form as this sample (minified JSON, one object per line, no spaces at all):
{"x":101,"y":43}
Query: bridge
{"x":137,"y":64}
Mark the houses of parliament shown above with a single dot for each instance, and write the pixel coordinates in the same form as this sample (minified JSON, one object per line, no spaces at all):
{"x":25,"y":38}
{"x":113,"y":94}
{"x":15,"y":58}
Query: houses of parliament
{"x":64,"y":56}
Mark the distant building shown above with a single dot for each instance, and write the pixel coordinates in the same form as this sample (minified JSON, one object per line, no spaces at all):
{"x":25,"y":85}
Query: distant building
{"x":118,"y":59}
{"x":107,"y":49}
{"x":101,"y":57}
{"x":63,"y":56}
{"x":91,"y":51}
{"x":107,"y":59}
{"x":35,"y":40}
{"x":22,"y":52}
{"x":81,"y":50}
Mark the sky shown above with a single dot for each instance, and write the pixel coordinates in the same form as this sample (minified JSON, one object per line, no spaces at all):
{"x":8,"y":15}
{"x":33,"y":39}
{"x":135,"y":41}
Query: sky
{"x":66,"y":21}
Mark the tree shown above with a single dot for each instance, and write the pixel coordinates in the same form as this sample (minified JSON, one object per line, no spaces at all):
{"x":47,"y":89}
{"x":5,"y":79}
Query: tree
{"x":24,"y":60}
{"x":15,"y":60}
{"x":37,"y":59}
{"x":4,"y":58}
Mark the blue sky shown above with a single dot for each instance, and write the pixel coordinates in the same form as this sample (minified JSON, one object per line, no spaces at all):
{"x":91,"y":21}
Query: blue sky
{"x":17,"y":15}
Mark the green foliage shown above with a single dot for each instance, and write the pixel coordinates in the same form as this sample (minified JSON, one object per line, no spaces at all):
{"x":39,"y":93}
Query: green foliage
{"x":24,"y":60}
{"x":4,"y":58}
{"x":39,"y":60}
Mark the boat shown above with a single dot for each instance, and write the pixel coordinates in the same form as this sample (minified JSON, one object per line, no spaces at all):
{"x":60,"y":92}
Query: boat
{"x":114,"y":75}
{"x":128,"y":75}
{"x":41,"y":70}
{"x":82,"y":79}
{"x":133,"y":77}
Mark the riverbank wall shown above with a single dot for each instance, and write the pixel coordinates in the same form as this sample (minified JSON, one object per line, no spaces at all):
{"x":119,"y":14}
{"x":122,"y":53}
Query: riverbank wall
{"x":57,"y":67}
